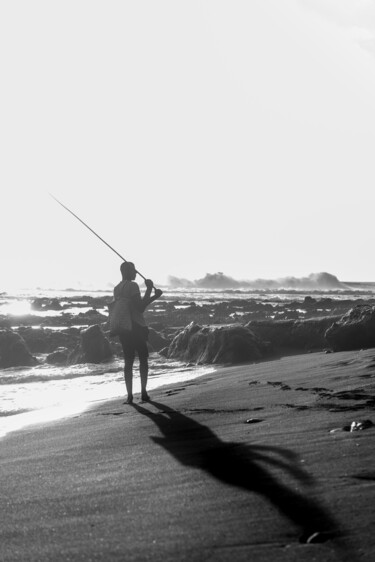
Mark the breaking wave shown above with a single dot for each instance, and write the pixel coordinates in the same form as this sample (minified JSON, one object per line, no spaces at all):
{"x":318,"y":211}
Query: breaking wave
{"x":314,"y":281}
{"x":46,"y":373}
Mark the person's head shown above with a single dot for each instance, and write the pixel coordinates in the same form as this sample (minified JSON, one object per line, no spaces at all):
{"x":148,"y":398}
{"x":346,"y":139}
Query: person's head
{"x":128,"y":271}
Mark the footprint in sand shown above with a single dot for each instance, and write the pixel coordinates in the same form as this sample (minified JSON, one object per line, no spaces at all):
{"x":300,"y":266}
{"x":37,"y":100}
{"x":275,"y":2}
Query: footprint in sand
{"x":218,"y":410}
{"x":175,"y":391}
{"x":370,"y":476}
{"x":297,"y":407}
{"x":317,"y":389}
{"x":320,"y":389}
{"x":281,"y":385}
{"x":342,"y":363}
{"x":342,"y":407}
{"x":355,"y":394}
{"x":111,"y":413}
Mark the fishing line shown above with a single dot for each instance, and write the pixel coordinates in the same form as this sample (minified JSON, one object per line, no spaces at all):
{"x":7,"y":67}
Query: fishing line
{"x":93,"y":231}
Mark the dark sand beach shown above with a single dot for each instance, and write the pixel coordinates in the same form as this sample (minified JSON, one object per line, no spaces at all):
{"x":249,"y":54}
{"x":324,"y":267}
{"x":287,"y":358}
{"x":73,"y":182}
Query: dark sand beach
{"x":240,"y":464}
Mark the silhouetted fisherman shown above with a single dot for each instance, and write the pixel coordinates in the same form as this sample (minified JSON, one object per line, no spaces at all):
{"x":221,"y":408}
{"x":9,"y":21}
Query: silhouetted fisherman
{"x":135,"y":340}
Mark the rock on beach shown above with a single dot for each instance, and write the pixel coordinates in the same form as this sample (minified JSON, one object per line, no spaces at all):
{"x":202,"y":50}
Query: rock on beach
{"x":94,"y":347}
{"x":46,"y":340}
{"x":14,"y":351}
{"x":355,"y":330}
{"x":290,"y":336}
{"x":58,"y":357}
{"x":216,"y":344}
{"x":156,"y":340}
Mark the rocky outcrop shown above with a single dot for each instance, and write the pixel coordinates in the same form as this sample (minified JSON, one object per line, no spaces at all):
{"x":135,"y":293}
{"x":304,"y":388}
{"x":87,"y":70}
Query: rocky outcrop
{"x":156,"y":340}
{"x":45,"y":340}
{"x":5,"y":322}
{"x":44,"y":303}
{"x":354,"y":330}
{"x":91,"y":316}
{"x":13,"y":351}
{"x":58,"y":357}
{"x":292,"y":336}
{"x":216,"y":344}
{"x":94,"y":347}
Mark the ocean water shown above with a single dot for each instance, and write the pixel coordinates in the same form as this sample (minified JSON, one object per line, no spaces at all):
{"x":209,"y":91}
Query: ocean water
{"x":44,"y":393}
{"x":34,"y":395}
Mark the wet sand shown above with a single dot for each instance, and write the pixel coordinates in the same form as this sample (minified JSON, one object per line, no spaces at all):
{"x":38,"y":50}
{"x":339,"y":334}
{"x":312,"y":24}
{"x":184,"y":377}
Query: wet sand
{"x":240,"y":464}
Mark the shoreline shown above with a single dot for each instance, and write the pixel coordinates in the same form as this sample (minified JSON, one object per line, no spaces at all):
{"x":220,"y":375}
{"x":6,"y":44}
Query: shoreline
{"x":237,"y":464}
{"x":40,"y":417}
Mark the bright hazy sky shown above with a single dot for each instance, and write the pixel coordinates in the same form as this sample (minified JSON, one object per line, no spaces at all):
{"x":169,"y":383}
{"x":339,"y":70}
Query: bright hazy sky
{"x":195,"y":136}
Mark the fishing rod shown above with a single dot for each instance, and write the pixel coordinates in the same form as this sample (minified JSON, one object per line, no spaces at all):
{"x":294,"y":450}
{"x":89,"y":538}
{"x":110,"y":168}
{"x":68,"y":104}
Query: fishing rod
{"x":93,"y":231}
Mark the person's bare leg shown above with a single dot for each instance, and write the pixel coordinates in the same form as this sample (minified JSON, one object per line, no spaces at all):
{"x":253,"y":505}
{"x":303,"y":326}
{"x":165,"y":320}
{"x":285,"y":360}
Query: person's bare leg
{"x":128,"y":374}
{"x":143,"y":371}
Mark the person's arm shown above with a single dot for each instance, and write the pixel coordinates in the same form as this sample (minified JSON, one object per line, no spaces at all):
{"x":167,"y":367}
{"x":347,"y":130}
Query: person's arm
{"x":141,"y":303}
{"x":147,"y":298}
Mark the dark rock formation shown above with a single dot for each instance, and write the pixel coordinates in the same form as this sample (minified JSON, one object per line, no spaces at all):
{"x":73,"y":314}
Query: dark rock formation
{"x":164,"y":351}
{"x":93,"y":348}
{"x":44,"y":303}
{"x":216,"y":344}
{"x":13,"y":351}
{"x":355,"y":330}
{"x":90,"y":316}
{"x":291,"y":336}
{"x":309,"y":302}
{"x":156,"y":340}
{"x":5,"y":321}
{"x":45,"y":340}
{"x":58,"y":357}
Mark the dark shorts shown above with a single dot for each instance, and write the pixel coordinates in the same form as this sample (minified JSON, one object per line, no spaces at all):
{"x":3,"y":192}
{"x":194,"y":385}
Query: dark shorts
{"x":135,"y":341}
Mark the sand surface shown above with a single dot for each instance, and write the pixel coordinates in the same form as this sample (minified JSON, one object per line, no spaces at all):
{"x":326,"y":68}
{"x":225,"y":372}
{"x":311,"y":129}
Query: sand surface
{"x":187,"y":478}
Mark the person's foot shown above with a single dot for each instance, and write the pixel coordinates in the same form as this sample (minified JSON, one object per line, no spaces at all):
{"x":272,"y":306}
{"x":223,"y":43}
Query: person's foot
{"x":129,"y":400}
{"x":145,"y":397}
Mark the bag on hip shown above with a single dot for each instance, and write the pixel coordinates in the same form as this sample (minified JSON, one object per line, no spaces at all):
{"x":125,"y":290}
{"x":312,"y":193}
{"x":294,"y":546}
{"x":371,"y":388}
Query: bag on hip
{"x":120,"y":319}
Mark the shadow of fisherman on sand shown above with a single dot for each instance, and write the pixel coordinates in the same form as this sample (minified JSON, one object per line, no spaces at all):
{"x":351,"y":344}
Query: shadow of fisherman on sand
{"x":247,"y":467}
